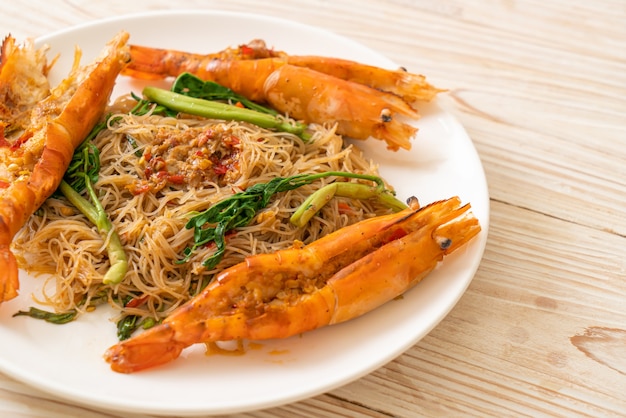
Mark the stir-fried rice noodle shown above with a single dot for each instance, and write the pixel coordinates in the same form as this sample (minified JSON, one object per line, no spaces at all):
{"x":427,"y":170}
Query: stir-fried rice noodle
{"x":155,"y":172}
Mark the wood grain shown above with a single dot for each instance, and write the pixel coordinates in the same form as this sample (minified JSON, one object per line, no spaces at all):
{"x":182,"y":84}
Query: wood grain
{"x":540,"y":87}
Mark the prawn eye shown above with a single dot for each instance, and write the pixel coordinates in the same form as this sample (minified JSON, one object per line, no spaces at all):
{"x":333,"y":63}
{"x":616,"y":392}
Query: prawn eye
{"x":444,"y":243}
{"x":385,"y":115}
{"x":413,"y":202}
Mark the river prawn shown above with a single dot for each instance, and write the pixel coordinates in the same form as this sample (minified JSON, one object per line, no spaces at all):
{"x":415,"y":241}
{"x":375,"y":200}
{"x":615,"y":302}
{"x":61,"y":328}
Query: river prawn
{"x":363,"y":100}
{"x":337,"y":278}
{"x":40,"y":128}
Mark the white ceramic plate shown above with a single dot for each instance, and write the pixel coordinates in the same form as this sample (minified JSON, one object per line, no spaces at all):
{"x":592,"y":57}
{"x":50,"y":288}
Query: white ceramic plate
{"x":67,"y":360}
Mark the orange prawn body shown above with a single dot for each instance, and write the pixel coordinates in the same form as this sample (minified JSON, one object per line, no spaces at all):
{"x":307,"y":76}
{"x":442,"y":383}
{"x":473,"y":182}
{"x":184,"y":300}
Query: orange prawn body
{"x":410,"y":87}
{"x":334,"y":279}
{"x":57,"y":121}
{"x":364,"y":101}
{"x":358,"y":110}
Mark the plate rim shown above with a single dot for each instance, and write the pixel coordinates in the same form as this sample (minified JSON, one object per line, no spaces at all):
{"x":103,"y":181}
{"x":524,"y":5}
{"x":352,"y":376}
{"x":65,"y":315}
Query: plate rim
{"x":32,"y":380}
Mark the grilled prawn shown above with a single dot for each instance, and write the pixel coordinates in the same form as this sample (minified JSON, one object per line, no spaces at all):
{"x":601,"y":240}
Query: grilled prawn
{"x":39,"y":130}
{"x":362,"y":100}
{"x":334,"y":279}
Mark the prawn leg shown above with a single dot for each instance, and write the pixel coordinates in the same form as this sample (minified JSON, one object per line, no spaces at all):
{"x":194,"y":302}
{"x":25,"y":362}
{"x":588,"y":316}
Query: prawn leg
{"x":334,"y":279}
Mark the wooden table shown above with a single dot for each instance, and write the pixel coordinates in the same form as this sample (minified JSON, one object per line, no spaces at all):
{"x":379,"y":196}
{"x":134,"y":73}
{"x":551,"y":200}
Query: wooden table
{"x":540,"y":87}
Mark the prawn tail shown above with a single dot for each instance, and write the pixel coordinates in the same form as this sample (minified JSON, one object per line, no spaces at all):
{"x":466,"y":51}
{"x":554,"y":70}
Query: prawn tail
{"x":9,"y":276}
{"x":148,"y":63}
{"x":153,"y":347}
{"x":9,"y":280}
{"x":16,"y":205}
{"x":155,"y":63}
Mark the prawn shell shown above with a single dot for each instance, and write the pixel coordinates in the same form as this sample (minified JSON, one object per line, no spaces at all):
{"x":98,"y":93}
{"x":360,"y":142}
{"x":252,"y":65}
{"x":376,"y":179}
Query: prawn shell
{"x":158,"y":346}
{"x":358,"y":110}
{"x":359,"y":268}
{"x":399,"y":265}
{"x":61,"y":135}
{"x":245,"y":77}
{"x":410,"y":87}
{"x":364,"y":101}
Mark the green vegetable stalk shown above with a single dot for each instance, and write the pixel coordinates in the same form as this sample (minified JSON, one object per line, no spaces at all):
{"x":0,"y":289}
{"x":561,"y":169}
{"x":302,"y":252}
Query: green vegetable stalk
{"x":238,"y":210}
{"x":193,"y":86}
{"x":96,"y":214}
{"x":82,"y":172}
{"x":224,"y":111}
{"x":317,"y":200}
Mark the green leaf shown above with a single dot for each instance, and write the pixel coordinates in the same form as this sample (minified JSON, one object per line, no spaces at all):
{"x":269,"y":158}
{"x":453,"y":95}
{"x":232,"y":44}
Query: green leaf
{"x":131,"y":323}
{"x":126,"y":326}
{"x":51,"y":317}
{"x":212,"y":225}
{"x":193,"y":86}
{"x":144,"y":106}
